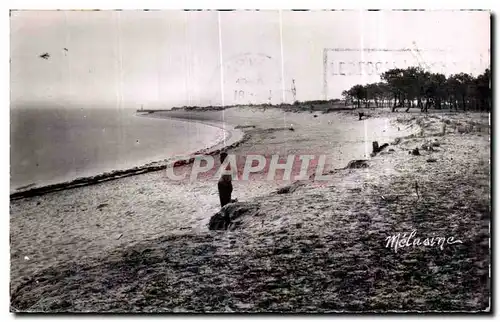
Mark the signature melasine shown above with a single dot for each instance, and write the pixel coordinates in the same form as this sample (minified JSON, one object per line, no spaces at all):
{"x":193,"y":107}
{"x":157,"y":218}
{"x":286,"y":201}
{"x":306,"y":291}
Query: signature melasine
{"x":404,"y":240}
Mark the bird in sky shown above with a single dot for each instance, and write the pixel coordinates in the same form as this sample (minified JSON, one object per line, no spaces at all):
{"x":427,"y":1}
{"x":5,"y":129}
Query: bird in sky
{"x":44,"y":56}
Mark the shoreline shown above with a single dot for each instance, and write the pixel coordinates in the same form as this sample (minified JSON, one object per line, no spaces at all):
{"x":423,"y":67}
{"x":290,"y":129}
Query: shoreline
{"x":159,"y":165}
{"x":165,"y":207}
{"x":332,"y":238}
{"x":141,"y":169}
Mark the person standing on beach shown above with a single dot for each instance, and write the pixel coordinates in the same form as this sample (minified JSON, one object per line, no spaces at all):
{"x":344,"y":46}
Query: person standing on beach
{"x":225,"y":185}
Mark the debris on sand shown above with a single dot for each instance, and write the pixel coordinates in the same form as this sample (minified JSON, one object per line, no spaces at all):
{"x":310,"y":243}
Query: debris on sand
{"x":396,"y":141}
{"x":414,"y":152}
{"x":443,"y":129}
{"x":229,"y":217}
{"x":429,"y":146}
{"x":383,"y":146}
{"x":357,"y":164}
{"x":376,"y":148}
{"x":431,"y":160}
{"x":244,"y":127}
{"x":290,"y":188}
{"x":101,"y":206}
{"x":389,"y":198}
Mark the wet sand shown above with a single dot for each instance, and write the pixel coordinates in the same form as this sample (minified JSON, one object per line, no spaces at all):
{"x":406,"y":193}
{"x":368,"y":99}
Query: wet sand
{"x":141,"y":243}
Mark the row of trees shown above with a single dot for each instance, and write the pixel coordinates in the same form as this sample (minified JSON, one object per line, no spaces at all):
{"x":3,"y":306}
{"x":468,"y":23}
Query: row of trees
{"x":415,"y":87}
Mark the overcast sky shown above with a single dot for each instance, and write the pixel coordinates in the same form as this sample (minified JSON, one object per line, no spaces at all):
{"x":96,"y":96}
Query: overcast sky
{"x":176,"y":58}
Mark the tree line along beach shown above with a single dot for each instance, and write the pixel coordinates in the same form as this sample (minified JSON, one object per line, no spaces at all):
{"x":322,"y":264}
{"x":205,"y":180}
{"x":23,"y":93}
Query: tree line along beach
{"x":313,"y":248}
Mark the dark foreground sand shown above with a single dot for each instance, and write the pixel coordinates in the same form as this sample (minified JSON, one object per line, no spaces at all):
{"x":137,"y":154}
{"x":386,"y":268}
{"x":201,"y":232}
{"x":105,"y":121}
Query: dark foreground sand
{"x":141,"y":243}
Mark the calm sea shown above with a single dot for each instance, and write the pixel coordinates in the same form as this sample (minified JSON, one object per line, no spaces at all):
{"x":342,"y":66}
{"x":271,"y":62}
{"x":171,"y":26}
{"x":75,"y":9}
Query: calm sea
{"x":51,"y":145}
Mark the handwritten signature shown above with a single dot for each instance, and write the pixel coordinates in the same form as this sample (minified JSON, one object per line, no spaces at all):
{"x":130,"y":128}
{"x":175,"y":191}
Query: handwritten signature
{"x":399,"y":240}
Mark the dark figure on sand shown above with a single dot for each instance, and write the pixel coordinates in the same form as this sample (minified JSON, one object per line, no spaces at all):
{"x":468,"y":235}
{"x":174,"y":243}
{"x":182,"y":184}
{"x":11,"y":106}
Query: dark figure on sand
{"x":225,"y":186}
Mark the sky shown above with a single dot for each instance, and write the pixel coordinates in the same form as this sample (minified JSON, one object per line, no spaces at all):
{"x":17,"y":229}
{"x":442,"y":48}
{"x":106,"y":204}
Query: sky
{"x":184,"y":58}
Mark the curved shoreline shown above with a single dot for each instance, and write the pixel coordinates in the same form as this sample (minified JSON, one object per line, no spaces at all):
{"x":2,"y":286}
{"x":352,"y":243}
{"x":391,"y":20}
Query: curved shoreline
{"x":229,"y":132}
{"x":187,"y":158}
{"x":176,"y":161}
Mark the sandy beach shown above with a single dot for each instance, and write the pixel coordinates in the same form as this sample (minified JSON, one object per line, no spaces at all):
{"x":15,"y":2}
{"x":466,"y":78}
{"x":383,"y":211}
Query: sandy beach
{"x":142,"y":243}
